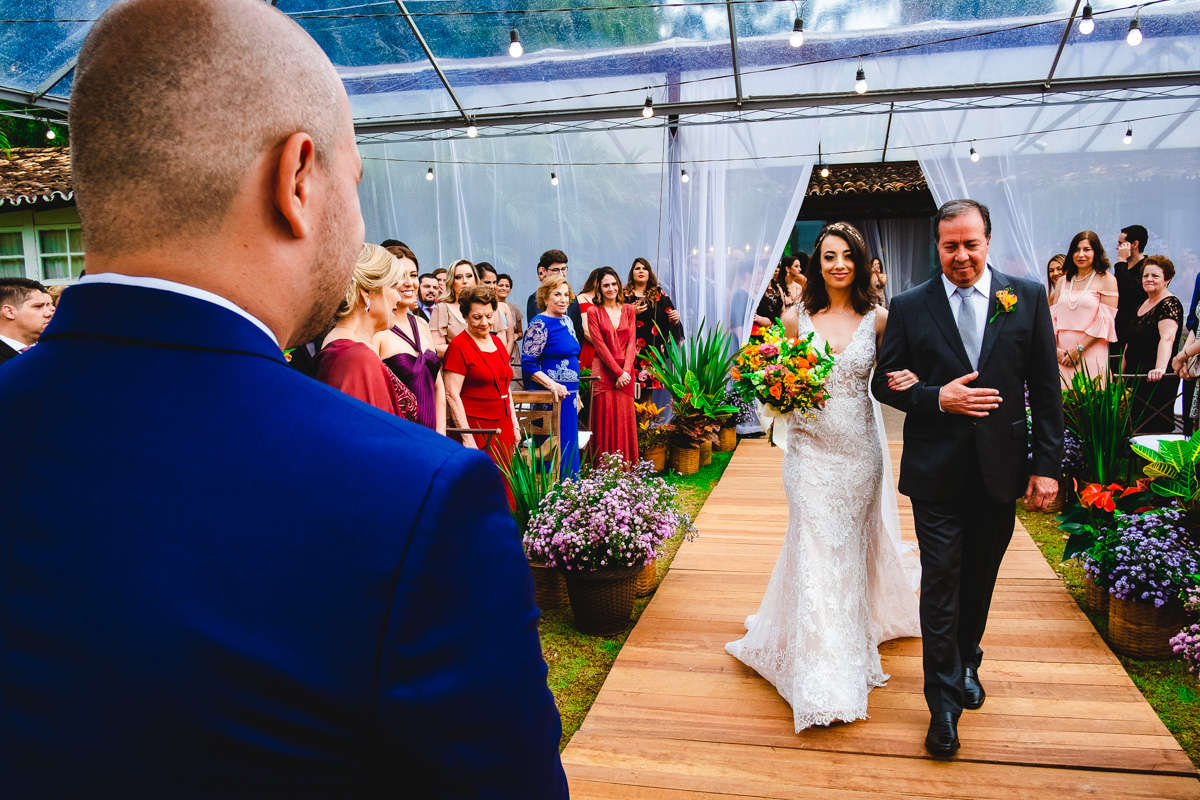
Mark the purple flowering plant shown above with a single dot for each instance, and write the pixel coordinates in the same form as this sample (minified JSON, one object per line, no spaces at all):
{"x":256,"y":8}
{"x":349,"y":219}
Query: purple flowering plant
{"x":1186,"y":643}
{"x":1153,"y":560}
{"x":614,"y":515}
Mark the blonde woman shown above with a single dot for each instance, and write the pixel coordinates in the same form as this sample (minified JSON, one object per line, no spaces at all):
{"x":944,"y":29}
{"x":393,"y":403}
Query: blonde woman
{"x":446,"y":321}
{"x":550,"y":358}
{"x":348,"y":360}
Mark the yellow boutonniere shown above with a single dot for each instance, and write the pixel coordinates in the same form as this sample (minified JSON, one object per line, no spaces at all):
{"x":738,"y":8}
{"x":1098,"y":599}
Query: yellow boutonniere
{"x":1006,"y":301}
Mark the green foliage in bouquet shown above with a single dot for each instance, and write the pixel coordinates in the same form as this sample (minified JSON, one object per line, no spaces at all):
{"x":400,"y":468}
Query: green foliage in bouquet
{"x":1174,"y":469}
{"x":1101,"y":415}
{"x":783,"y":372}
{"x":529,"y":479}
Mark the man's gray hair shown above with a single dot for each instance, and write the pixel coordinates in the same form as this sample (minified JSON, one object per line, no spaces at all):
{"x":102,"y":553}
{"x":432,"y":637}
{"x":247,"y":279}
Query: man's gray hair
{"x":956,"y":208}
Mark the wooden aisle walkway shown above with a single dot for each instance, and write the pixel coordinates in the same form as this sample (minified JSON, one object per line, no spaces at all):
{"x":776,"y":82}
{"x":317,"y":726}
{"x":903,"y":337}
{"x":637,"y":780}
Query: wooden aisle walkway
{"x":679,"y":719}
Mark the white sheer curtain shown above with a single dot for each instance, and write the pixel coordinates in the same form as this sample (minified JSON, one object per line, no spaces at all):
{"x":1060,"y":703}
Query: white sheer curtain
{"x":904,"y":245}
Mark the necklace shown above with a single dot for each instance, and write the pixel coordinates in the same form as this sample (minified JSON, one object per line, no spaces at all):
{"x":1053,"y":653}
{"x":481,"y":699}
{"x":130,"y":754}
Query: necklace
{"x":1073,"y":299}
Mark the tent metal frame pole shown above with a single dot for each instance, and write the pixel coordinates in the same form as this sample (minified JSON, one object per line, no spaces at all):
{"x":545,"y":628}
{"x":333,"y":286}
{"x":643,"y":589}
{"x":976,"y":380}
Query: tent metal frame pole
{"x":887,"y":135}
{"x":766,"y":103}
{"x":432,"y":60}
{"x":54,"y":78}
{"x":1062,"y":43}
{"x":733,"y":48}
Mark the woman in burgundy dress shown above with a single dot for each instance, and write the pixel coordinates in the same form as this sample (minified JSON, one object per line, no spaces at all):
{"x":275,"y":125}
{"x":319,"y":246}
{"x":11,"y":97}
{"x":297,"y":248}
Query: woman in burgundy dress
{"x":613,"y":324}
{"x":478,"y":375}
{"x":347,"y":360}
{"x":407,"y":348}
{"x":657,"y":318}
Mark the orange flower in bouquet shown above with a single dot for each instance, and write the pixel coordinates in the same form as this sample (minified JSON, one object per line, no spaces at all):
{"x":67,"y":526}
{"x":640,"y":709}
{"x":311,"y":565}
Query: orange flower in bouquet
{"x":785,"y":373}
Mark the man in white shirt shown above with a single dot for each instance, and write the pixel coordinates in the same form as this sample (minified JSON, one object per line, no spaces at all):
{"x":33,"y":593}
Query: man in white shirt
{"x":25,"y":310}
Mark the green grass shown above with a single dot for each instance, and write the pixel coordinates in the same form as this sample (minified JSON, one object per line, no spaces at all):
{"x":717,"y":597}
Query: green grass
{"x":1171,"y":691}
{"x":579,"y":663}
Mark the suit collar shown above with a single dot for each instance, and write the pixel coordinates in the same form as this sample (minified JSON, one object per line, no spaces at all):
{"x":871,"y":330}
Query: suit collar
{"x":939,"y":311}
{"x":155,"y":316}
{"x":996,"y":318}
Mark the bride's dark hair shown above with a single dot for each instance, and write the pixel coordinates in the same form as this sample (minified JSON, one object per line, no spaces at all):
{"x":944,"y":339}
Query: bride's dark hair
{"x":816,"y":296}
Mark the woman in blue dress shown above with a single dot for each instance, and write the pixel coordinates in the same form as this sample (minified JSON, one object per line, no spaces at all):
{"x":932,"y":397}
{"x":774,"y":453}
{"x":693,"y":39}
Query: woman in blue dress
{"x":550,"y":357}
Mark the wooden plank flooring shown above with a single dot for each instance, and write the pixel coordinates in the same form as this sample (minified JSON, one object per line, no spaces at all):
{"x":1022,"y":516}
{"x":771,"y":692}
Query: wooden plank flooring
{"x":679,"y":719}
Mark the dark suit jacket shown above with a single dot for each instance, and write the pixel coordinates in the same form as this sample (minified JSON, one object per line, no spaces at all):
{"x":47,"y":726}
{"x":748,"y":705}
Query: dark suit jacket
{"x":6,"y":352}
{"x":255,"y":584}
{"x":1017,"y":351}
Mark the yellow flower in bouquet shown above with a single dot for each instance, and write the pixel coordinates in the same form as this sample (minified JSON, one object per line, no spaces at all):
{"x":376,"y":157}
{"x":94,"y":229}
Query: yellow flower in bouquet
{"x":785,"y":373}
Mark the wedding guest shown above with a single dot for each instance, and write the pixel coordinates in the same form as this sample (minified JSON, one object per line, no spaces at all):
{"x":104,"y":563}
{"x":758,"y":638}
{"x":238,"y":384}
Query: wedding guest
{"x":657,"y":318}
{"x":587,"y":299}
{"x":1149,"y":348}
{"x":511,"y":314}
{"x":1131,"y":246}
{"x":446,"y":322}
{"x":1181,"y":362}
{"x":554,"y":262}
{"x":407,"y":348}
{"x":478,"y":377}
{"x":440,"y":275}
{"x":613,"y":324}
{"x":429,"y":291}
{"x":402,"y":251}
{"x":879,"y":281}
{"x":488,"y":276}
{"x":25,"y":311}
{"x":1054,"y":271}
{"x":550,"y":358}
{"x":784,"y":290}
{"x":348,"y":360}
{"x":246,"y":594}
{"x":1084,"y":309}
{"x":56,"y":292}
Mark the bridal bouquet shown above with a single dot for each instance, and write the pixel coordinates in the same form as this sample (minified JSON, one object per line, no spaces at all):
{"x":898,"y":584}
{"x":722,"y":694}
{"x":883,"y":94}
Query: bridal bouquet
{"x":784,"y":373}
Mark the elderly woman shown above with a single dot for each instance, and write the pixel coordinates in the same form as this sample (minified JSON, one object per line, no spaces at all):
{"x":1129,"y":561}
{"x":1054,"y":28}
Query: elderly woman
{"x":478,"y":375}
{"x":1151,"y":343}
{"x":348,"y":360}
{"x":407,"y":348}
{"x":550,"y":357}
{"x":446,"y":321}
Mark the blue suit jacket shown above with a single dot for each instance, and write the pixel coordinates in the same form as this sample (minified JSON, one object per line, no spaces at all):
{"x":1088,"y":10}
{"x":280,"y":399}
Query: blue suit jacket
{"x":220,"y":575}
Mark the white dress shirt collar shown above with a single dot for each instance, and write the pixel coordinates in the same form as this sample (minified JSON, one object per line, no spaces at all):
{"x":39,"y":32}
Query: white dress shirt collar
{"x":13,"y":343}
{"x":983,"y":286}
{"x":179,"y":288}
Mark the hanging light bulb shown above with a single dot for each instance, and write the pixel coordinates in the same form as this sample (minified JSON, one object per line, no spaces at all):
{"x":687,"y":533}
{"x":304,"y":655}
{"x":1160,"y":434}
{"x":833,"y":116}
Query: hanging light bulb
{"x":1087,"y":24}
{"x":429,"y":174}
{"x":824,"y":172}
{"x":683,"y":176}
{"x":50,"y":134}
{"x":1134,"y":37}
{"x":648,"y":108}
{"x":553,"y":179}
{"x":515,"y":48}
{"x":472,"y":131}
{"x":974,"y":155}
{"x":860,"y":80}
{"x":1128,"y":138}
{"x":797,"y":37}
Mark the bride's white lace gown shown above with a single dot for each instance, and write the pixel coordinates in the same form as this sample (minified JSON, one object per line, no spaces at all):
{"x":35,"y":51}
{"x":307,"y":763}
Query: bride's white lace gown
{"x":843,"y":582}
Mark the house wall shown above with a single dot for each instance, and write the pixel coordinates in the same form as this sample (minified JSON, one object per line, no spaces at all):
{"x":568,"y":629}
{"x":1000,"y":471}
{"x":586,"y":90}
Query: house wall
{"x":41,"y":231}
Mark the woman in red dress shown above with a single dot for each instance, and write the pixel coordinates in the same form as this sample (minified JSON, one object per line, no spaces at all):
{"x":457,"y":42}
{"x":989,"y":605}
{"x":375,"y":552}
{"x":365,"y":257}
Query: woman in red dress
{"x":347,"y":360}
{"x":478,"y":375}
{"x":613,"y":324}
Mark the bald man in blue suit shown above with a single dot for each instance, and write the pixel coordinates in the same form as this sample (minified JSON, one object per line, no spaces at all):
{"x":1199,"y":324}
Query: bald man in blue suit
{"x":219,"y":576}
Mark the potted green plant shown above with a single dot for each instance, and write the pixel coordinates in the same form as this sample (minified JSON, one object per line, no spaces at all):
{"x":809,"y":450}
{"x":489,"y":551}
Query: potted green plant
{"x":529,"y":480}
{"x":601,"y":530}
{"x":1174,"y":472}
{"x":1091,"y":528}
{"x":1100,"y":414}
{"x":651,"y":435}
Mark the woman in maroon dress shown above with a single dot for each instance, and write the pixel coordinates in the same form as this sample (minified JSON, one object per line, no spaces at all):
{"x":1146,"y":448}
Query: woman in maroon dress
{"x":347,"y":360}
{"x":613,"y":324}
{"x":478,"y":375}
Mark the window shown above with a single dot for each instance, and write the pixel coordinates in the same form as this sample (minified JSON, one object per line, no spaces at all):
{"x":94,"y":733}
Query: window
{"x":61,"y":252}
{"x":12,"y":255}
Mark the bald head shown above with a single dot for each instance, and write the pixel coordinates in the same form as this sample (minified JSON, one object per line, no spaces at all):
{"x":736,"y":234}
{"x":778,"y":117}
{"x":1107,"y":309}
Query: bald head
{"x":174,"y":103}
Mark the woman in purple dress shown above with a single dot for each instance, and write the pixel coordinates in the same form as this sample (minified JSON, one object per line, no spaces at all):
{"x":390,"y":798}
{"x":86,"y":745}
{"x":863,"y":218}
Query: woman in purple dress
{"x":407,"y":349}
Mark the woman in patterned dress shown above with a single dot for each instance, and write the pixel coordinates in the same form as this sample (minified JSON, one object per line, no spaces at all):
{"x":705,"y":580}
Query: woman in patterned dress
{"x":657,"y":318}
{"x":550,"y":357}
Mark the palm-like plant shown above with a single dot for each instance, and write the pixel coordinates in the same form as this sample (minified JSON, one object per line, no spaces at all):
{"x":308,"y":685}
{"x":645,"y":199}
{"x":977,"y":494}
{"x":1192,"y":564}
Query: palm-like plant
{"x":1174,"y":470}
{"x":696,"y":372}
{"x":1100,"y":413}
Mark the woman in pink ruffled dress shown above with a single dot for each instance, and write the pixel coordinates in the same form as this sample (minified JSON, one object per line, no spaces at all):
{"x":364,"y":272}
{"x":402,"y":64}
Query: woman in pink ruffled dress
{"x":1083,"y":307}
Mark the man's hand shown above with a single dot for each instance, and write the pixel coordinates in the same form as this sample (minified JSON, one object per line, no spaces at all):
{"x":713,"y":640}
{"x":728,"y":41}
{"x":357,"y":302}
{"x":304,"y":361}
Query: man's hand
{"x":958,"y":398}
{"x":1040,"y":492}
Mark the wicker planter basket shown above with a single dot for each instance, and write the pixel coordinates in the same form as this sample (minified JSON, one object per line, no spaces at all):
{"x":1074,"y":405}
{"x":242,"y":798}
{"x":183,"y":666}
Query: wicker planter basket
{"x":727,"y":440}
{"x":685,"y":460}
{"x":549,"y":588}
{"x":602,"y":601}
{"x":647,"y":579}
{"x":1094,"y":595}
{"x":657,"y":456}
{"x":1142,"y":631}
{"x":706,"y":448}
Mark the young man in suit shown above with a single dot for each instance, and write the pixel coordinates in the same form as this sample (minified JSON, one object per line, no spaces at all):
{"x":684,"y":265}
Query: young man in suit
{"x":25,"y":311}
{"x":975,"y":338}
{"x":190,"y":624}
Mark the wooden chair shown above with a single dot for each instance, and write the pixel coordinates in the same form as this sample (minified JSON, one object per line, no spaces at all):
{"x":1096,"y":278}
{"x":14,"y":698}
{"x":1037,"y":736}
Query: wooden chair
{"x":543,"y":421}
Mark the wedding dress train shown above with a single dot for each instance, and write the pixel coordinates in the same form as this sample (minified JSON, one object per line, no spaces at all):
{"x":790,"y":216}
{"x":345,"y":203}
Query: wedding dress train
{"x":844,"y":581}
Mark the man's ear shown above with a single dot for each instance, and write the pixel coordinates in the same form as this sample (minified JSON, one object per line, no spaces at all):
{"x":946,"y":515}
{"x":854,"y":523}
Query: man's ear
{"x":293,"y":183}
{"x":8,"y":312}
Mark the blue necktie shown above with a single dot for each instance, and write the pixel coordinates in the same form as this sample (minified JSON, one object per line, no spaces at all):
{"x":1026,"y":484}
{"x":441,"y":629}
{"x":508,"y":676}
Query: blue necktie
{"x":968,"y":329}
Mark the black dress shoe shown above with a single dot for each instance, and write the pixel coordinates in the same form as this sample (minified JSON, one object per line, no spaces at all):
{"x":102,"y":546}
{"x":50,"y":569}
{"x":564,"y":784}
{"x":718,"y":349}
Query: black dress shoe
{"x":942,"y":739}
{"x":973,"y":693}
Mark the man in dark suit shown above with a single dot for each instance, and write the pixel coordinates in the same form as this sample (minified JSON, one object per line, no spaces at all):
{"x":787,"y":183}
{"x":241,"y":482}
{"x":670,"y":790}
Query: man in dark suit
{"x":189,"y":623}
{"x":25,"y":310}
{"x":976,"y":338}
{"x":554,"y":262}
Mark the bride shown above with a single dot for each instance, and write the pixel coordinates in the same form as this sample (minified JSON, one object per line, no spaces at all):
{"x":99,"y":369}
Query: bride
{"x":844,"y":581}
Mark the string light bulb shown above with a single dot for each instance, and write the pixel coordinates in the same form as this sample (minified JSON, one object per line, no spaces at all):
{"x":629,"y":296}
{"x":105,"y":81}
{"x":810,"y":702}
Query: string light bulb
{"x":824,"y":172}
{"x":1086,"y":23}
{"x":683,"y":176}
{"x":974,"y":154}
{"x":429,"y":174}
{"x":648,"y":108}
{"x":1134,"y":37}
{"x":50,"y":134}
{"x":515,"y":48}
{"x":553,"y":179}
{"x":797,"y":37}
{"x":860,"y":80}
{"x":472,"y":131}
{"x":1128,"y":138}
